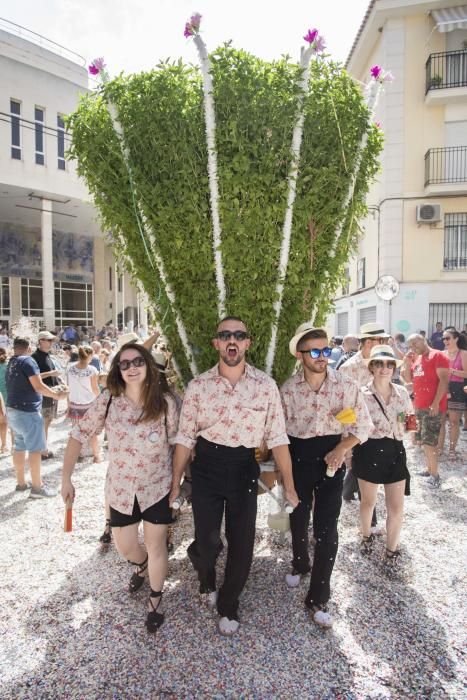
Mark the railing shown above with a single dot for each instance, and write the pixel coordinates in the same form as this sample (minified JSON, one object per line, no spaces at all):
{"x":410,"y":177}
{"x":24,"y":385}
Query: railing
{"x":446,"y":165}
{"x":42,"y":41}
{"x":446,"y":70}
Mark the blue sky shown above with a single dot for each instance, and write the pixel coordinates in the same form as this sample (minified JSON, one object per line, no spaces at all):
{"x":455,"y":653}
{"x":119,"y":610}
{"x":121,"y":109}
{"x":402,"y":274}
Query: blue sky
{"x":134,"y":35}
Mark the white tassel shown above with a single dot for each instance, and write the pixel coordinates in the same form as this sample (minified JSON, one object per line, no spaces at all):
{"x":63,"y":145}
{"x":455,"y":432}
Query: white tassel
{"x":292,"y":183}
{"x":212,"y":169}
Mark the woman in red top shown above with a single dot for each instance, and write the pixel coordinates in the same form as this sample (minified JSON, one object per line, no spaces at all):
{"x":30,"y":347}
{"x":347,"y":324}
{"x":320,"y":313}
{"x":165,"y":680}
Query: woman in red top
{"x":456,"y":352}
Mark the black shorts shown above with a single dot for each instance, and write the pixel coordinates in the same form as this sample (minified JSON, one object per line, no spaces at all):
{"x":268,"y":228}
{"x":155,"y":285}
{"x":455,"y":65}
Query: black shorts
{"x":158,"y":514}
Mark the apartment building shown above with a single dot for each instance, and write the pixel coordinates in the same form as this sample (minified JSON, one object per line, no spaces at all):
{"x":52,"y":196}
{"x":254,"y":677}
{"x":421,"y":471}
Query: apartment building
{"x":416,"y":228}
{"x":55,"y":265}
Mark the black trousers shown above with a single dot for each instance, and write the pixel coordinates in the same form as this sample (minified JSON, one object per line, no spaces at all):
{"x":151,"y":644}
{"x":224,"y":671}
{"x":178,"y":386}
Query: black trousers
{"x":312,"y":484}
{"x":224,"y":478}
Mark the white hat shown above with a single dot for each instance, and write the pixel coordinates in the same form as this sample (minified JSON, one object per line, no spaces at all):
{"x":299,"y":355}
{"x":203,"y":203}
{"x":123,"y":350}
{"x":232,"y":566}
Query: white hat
{"x":302,"y":330}
{"x":46,"y":335}
{"x":383,"y":352}
{"x":372,"y":330}
{"x":128,"y":338}
{"x":161,"y":361}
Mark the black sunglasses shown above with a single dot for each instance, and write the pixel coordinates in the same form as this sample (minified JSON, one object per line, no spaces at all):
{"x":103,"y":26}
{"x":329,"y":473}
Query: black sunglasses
{"x":314,"y":353}
{"x":379,"y":364}
{"x":226,"y":335}
{"x":136,"y":362}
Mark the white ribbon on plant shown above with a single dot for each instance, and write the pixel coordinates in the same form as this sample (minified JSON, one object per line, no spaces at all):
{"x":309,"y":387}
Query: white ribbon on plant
{"x":97,"y":67}
{"x":210,"y":118}
{"x":316,"y":45}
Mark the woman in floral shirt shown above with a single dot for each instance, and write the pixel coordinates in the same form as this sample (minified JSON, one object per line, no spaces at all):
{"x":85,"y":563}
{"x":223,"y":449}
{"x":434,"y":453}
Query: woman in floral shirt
{"x":382,"y":459}
{"x":141,"y":423}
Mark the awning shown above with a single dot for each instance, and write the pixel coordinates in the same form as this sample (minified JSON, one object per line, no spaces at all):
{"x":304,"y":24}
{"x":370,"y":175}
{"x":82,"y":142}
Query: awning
{"x":450,"y":18}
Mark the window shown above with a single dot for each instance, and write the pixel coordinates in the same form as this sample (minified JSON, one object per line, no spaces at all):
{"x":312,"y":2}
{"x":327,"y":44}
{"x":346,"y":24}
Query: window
{"x":110,"y":279}
{"x":119,"y":283}
{"x":345,"y":284}
{"x":15,"y":110}
{"x":367,"y":315}
{"x":31,"y":298}
{"x":73,"y":304}
{"x":449,"y":315}
{"x":455,"y":241}
{"x":39,"y":134}
{"x":5,"y":296}
{"x":361,"y":273}
{"x":60,"y":142}
{"x":343,"y":323}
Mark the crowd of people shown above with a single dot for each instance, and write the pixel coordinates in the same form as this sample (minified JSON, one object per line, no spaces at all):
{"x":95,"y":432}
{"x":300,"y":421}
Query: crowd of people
{"x":335,"y":429}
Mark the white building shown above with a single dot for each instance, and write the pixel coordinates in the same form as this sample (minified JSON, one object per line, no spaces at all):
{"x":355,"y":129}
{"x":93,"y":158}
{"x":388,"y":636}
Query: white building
{"x":54,"y":262}
{"x":416,"y":230}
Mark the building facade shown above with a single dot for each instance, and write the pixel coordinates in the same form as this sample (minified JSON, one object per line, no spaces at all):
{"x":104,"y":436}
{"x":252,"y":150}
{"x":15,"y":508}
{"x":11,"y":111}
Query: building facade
{"x":416,"y":228}
{"x":55,"y":265}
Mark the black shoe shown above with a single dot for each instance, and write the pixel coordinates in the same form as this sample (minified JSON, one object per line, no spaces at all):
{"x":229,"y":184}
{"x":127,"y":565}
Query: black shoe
{"x":154,"y":619}
{"x":137,"y":580}
{"x":106,"y":537}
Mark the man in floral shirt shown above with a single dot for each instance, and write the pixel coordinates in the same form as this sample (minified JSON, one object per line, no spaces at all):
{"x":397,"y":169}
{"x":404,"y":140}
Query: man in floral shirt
{"x":313,"y":400}
{"x":227,"y":412}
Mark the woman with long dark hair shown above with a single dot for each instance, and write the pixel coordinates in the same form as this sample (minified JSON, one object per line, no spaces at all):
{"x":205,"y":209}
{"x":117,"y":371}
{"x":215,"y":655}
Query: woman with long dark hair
{"x":141,"y":423}
{"x":455,"y":349}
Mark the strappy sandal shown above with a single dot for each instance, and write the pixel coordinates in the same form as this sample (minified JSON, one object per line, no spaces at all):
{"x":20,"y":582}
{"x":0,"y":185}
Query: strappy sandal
{"x":392,"y":557}
{"x":154,"y":619}
{"x":366,"y":545}
{"x":137,"y":580}
{"x":106,"y":537}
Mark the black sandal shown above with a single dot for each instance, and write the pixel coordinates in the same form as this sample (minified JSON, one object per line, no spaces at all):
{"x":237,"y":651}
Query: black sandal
{"x":106,"y":537}
{"x":391,"y":557}
{"x":154,"y":619}
{"x":136,"y":580}
{"x":366,"y":544}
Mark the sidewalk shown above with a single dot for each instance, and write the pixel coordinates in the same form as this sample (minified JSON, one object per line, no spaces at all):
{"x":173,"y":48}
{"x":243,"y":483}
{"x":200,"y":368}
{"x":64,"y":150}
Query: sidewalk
{"x":70,"y":629}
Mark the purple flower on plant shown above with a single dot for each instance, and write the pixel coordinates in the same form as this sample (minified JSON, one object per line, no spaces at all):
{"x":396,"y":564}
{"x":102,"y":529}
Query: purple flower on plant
{"x":192,"y":27}
{"x":375,"y":72}
{"x":383,"y":76}
{"x":96,"y":66}
{"x":315,"y":40}
{"x":378,"y":125}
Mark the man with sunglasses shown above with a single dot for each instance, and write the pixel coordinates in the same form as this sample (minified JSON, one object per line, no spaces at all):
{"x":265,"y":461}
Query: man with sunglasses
{"x":312,"y":398}
{"x":227,"y":412}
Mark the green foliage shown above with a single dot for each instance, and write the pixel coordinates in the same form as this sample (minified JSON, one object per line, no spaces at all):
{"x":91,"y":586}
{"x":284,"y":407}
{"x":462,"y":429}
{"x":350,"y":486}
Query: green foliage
{"x":161,"y":113}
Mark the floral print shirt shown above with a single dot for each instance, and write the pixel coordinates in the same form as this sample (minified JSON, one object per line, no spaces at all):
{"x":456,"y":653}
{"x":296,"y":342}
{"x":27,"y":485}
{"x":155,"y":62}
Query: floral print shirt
{"x":140,"y":454}
{"x":393,"y":424}
{"x":234,"y":416}
{"x":356,"y":369}
{"x":310,"y":413}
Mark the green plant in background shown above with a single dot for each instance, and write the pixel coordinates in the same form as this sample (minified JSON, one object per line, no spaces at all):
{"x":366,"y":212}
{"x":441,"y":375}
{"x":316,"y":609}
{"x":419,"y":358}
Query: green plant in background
{"x":151,"y":189}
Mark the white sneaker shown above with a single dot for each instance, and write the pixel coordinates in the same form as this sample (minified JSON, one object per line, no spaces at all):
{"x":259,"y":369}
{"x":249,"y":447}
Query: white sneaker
{"x":209,"y":600}
{"x":434,"y":482}
{"x":322,"y":618}
{"x":378,"y":529}
{"x":293,"y":579}
{"x":228,"y":627}
{"x":43,"y":492}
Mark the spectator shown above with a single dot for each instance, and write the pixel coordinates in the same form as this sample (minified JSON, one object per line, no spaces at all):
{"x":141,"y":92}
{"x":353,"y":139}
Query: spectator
{"x":83,"y":389}
{"x":96,"y":360}
{"x":337,"y":350}
{"x":3,"y":398}
{"x":436,"y":340}
{"x":25,"y":389}
{"x":4,"y":338}
{"x":427,"y":370}
{"x":49,"y":374}
{"x":456,"y":352}
{"x":350,"y":347}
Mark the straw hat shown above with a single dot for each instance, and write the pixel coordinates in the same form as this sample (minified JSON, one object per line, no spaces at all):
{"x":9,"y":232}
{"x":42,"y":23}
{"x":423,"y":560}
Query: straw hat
{"x":128,"y":338}
{"x":302,"y":330}
{"x":383,"y":352}
{"x":372,"y":330}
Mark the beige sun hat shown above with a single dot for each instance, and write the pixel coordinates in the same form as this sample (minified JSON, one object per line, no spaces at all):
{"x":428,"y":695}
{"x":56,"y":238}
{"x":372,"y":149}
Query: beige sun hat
{"x":372,"y":330}
{"x":46,"y":335}
{"x":128,"y":338}
{"x":302,"y":330}
{"x":161,"y":361}
{"x":382,"y":352}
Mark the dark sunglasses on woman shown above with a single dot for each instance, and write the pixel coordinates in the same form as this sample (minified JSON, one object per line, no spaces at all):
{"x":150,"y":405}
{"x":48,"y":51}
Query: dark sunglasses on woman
{"x":136,"y":362}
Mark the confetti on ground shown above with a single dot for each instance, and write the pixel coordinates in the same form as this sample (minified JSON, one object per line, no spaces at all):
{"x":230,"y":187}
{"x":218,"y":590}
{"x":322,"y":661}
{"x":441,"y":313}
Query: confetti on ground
{"x":70,"y":629}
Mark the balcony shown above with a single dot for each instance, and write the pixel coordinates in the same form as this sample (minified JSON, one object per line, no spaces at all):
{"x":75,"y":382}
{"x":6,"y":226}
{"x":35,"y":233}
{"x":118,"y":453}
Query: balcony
{"x":446,"y":77}
{"x":446,"y":170}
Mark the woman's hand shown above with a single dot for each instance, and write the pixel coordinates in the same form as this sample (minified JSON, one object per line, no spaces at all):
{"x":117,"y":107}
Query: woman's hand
{"x":174,"y":493}
{"x":68,"y":490}
{"x":335,"y":458}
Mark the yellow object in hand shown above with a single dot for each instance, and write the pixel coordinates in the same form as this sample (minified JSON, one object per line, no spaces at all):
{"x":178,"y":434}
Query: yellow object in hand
{"x":346,"y":416}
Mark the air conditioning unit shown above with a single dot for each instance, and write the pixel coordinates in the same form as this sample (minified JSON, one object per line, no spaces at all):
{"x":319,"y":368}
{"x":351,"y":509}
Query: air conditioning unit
{"x":428,"y":213}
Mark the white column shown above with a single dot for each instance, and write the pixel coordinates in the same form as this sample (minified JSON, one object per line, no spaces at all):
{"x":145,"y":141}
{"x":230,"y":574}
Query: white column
{"x":115,"y":303}
{"x":143,"y":309}
{"x":48,"y":296}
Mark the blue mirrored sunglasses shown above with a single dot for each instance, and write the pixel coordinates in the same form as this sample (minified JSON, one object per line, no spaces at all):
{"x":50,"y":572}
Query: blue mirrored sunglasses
{"x":314,"y":353}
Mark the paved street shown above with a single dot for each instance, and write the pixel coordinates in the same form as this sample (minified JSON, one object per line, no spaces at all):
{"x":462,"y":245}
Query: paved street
{"x":70,"y":629}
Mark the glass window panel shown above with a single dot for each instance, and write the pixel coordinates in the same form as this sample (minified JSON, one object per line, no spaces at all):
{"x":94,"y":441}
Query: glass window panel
{"x":15,"y":107}
{"x":38,"y":114}
{"x":61,"y":164}
{"x":60,"y":122}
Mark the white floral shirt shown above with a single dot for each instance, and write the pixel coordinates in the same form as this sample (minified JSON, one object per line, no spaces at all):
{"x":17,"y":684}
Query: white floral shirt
{"x":310,"y":413}
{"x":392,"y":426}
{"x":356,"y":369}
{"x":140,"y":454}
{"x":245,"y":414}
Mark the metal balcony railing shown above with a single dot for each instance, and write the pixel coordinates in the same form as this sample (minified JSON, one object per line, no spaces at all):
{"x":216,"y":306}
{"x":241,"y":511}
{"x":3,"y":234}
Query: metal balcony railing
{"x":446,"y":70}
{"x":446,"y":165}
